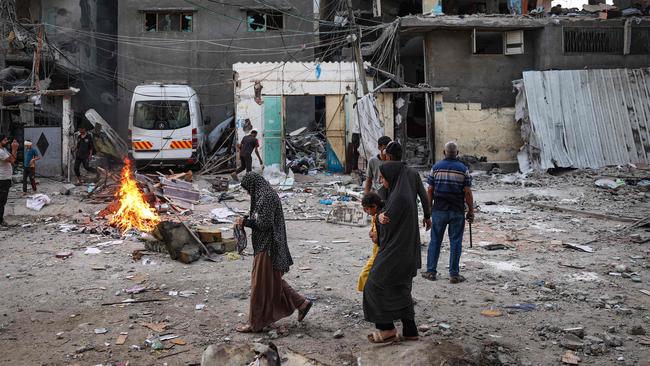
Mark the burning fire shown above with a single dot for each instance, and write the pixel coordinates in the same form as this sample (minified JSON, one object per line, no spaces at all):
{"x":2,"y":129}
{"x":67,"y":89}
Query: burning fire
{"x":134,"y":211}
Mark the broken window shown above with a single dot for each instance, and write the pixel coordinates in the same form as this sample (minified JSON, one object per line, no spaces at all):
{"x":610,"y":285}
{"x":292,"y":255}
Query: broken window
{"x":487,"y":43}
{"x":640,"y":44}
{"x":262,"y":21}
{"x":168,"y":22}
{"x":593,"y":40}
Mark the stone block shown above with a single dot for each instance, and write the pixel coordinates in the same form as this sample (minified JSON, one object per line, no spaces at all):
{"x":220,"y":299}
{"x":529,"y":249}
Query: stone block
{"x":190,"y":253}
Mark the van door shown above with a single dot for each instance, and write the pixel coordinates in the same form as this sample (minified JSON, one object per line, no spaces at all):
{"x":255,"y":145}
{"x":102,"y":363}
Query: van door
{"x":176,"y":129}
{"x":146,"y":137}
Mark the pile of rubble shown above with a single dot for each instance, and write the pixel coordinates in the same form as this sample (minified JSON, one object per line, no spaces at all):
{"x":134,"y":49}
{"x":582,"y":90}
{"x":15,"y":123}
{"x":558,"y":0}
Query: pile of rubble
{"x":305,"y":151}
{"x":416,"y":152}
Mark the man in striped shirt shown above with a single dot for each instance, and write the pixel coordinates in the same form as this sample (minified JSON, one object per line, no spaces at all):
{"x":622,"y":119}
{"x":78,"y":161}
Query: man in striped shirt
{"x":450,"y":191}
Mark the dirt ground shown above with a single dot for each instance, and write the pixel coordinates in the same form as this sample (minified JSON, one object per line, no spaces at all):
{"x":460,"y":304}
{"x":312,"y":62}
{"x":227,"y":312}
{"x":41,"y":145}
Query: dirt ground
{"x":52,"y":308}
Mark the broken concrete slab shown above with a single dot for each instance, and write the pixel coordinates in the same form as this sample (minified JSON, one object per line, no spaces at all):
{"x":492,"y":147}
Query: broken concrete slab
{"x":245,"y":354}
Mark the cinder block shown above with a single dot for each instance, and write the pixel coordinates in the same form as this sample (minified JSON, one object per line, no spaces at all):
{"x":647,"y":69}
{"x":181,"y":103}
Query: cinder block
{"x":474,"y":106}
{"x":209,"y":234}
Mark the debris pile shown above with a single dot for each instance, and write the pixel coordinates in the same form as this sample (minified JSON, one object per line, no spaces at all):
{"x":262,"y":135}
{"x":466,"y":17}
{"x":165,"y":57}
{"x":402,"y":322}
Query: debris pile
{"x":305,"y":151}
{"x":416,"y":152}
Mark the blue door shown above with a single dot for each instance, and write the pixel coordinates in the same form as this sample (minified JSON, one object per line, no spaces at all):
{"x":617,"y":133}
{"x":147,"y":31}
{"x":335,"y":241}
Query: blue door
{"x":273,"y":131}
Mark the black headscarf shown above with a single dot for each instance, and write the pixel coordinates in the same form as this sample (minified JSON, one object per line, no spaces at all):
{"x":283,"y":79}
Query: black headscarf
{"x":267,"y":221}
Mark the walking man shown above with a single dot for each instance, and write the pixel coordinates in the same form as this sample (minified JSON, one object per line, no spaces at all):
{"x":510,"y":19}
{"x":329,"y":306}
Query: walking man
{"x":373,"y":182}
{"x":29,"y":165}
{"x":6,"y":171}
{"x":248,"y":144}
{"x":450,"y":190}
{"x":85,"y":149}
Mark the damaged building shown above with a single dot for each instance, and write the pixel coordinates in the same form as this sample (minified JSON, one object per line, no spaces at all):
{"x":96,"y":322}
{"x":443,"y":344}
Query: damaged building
{"x":459,"y":61}
{"x":55,"y":65}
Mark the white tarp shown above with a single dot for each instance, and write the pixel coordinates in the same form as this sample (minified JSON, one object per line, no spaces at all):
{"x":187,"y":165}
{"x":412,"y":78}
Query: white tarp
{"x":368,"y":125}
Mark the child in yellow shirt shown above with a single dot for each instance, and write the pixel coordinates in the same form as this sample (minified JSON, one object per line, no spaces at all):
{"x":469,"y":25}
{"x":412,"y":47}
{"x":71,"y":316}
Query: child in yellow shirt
{"x":372,"y":205}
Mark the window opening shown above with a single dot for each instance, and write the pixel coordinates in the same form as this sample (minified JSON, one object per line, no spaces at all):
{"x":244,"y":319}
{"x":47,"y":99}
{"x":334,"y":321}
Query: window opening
{"x":262,"y":21}
{"x":593,"y":40}
{"x":488,"y":43}
{"x":168,"y":22}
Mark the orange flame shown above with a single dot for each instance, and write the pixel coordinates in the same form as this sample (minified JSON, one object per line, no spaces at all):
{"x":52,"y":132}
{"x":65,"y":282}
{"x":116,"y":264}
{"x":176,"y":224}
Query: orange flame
{"x":134,"y":211}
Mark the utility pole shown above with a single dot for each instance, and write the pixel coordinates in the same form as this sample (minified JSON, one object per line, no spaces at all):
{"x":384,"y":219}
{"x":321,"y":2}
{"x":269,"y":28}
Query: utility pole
{"x":356,"y":45}
{"x":36,"y":81}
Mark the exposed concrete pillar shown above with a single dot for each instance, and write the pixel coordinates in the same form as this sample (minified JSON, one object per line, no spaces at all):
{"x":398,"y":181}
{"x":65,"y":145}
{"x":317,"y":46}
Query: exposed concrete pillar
{"x":67,"y":132}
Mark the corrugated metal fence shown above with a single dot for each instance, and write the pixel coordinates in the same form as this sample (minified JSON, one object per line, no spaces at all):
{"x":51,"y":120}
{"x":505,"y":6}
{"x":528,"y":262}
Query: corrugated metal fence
{"x":589,"y":118}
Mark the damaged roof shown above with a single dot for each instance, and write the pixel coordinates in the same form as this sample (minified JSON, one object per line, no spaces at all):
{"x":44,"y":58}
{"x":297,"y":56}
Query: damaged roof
{"x":587,"y":118}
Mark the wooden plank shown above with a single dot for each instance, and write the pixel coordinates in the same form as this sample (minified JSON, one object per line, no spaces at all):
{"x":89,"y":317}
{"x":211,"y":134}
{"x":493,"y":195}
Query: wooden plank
{"x":176,"y":183}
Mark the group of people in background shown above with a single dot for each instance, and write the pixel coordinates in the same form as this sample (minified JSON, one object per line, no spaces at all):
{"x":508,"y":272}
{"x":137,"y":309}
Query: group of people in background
{"x":84,"y":150}
{"x":392,"y":190}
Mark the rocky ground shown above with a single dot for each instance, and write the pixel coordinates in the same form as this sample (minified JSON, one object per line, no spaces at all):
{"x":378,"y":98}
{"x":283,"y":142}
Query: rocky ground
{"x":527,"y":304}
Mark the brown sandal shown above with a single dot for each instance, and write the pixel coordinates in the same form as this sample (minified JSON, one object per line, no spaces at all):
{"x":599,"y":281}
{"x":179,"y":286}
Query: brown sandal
{"x":376,"y":337}
{"x":244,"y":328}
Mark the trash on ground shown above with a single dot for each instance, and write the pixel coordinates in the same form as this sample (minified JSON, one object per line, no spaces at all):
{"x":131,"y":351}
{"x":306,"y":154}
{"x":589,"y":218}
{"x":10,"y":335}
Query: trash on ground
{"x":37,"y":201}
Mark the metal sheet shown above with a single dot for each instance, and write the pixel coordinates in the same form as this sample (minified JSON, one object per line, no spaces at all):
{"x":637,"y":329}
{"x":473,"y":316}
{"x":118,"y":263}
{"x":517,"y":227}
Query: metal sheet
{"x":588,"y":118}
{"x":48,"y":142}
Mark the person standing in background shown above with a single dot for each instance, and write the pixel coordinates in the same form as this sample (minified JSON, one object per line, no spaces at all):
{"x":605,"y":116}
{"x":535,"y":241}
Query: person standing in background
{"x":246,"y":147}
{"x":85,"y":150}
{"x":30,"y":156}
{"x":6,"y":171}
{"x":450,"y":190}
{"x":373,"y":183}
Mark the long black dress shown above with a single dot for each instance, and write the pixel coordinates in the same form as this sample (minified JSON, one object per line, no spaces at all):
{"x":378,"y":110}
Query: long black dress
{"x":387,"y":295}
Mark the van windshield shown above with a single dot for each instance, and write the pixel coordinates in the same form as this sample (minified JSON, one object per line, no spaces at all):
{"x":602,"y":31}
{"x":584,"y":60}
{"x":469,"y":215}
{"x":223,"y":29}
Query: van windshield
{"x":161,"y":114}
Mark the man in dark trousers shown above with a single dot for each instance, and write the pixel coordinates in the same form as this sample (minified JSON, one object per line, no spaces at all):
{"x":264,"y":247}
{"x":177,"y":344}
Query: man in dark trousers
{"x":450,"y":189}
{"x":29,"y":165}
{"x":6,"y":171}
{"x":85,"y":150}
{"x":248,"y":144}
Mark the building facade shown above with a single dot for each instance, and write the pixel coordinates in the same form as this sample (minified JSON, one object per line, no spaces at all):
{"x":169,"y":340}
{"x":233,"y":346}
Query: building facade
{"x":197,"y":42}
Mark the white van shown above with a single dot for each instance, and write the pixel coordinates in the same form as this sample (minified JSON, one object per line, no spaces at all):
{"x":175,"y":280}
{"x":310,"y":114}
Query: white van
{"x":166,"y":127}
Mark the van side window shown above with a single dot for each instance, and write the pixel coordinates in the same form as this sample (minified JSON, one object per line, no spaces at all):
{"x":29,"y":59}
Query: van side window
{"x":161,"y":115}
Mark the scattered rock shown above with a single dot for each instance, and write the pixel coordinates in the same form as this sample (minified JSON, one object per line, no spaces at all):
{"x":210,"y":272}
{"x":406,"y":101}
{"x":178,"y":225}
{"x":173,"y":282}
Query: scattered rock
{"x":577,"y":331}
{"x":572,"y":342}
{"x":338,"y":334}
{"x":424,"y":328}
{"x":637,"y":330}
{"x":570,"y":358}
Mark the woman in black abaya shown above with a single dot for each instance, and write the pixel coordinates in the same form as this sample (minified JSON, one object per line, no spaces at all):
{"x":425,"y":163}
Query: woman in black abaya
{"x":387,"y":294}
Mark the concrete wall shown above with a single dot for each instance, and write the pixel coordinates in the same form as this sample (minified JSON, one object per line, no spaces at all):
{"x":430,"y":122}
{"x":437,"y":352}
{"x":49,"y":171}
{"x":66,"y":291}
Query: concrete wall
{"x":490,"y":132}
{"x":482,"y":120}
{"x":550,"y":54}
{"x":485,"y":79}
{"x":206,"y":66}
